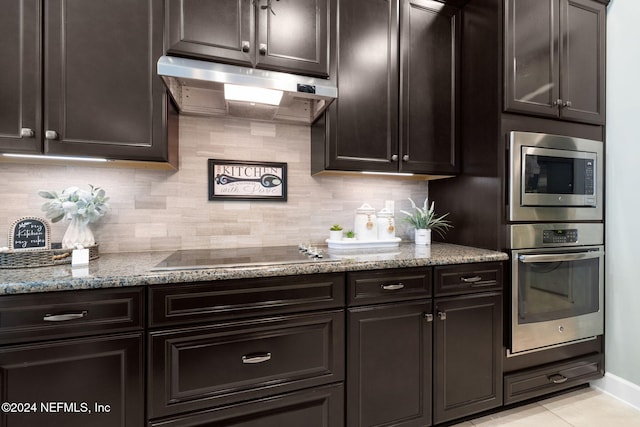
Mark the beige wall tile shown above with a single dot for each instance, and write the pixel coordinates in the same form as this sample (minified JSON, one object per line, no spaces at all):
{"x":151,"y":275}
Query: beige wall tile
{"x":164,"y":210}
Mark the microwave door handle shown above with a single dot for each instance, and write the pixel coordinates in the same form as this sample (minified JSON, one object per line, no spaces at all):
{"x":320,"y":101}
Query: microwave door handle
{"x":560,"y":257}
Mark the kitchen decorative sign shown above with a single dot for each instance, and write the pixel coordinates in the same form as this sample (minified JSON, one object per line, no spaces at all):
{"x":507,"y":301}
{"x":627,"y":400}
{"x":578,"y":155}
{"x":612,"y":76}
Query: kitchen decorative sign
{"x":30,"y":234}
{"x":237,"y":180}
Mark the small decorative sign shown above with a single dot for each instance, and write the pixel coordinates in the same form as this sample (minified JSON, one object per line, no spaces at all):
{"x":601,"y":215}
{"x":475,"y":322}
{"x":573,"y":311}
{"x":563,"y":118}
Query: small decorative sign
{"x":236,"y":180}
{"x":30,"y":234}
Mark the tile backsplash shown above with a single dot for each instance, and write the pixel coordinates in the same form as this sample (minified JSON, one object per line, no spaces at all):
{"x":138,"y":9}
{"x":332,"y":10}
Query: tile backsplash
{"x":168,"y":210}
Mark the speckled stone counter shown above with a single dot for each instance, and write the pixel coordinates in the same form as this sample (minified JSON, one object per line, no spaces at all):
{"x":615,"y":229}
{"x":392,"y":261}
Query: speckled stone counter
{"x":135,"y":269}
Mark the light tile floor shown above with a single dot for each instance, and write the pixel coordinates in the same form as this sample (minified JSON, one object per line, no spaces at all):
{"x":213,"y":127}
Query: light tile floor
{"x":586,"y":407}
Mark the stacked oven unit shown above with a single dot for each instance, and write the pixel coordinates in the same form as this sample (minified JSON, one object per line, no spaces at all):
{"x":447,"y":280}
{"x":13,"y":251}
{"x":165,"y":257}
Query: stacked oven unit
{"x":555,"y":235}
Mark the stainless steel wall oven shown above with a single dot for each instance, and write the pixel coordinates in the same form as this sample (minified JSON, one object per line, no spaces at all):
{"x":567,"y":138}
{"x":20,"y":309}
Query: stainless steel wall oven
{"x":557,"y":284}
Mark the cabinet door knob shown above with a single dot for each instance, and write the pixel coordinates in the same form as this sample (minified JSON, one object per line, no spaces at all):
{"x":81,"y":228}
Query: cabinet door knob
{"x":394,"y":158}
{"x":442,"y":315}
{"x":557,"y":103}
{"x":428,"y":317}
{"x":405,"y":158}
{"x":51,"y":134}
{"x":263,"y":49}
{"x":246,"y":46}
{"x":27,"y":133}
{"x":566,"y":104}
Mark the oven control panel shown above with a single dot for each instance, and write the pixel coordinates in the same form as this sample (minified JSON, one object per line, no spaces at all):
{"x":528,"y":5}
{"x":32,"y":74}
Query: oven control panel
{"x":569,"y":235}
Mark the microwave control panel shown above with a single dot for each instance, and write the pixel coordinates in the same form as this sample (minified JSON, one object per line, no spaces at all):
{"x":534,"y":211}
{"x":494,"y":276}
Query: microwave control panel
{"x":569,"y":235}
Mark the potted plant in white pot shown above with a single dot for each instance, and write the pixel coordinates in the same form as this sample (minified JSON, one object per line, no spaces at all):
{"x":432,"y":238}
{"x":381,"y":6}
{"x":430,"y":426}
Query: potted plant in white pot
{"x":424,"y":220}
{"x":335,"y":232}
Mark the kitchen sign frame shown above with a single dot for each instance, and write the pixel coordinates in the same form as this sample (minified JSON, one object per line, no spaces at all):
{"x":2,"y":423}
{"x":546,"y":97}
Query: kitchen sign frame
{"x":246,"y":180}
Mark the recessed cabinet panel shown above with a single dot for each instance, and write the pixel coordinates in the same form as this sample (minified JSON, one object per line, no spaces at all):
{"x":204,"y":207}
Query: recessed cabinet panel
{"x":531,"y":63}
{"x":20,"y":82}
{"x":554,"y":59}
{"x":102,"y":95}
{"x":389,"y":365}
{"x":243,"y":360}
{"x":283,"y":35}
{"x":99,"y":381}
{"x":316,"y":407}
{"x":212,"y":29}
{"x":583,"y":75}
{"x":467,"y":355}
{"x":429,"y":68}
{"x":294,"y":34}
{"x":363,"y":121}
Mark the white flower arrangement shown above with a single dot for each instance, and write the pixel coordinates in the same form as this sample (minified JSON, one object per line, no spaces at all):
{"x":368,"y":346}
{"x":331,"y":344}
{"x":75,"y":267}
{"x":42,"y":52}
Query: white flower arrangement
{"x":88,"y":206}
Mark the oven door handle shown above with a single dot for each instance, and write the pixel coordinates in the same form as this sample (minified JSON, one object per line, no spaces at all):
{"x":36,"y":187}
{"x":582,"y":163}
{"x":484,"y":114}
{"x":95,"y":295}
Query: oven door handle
{"x":560,"y":257}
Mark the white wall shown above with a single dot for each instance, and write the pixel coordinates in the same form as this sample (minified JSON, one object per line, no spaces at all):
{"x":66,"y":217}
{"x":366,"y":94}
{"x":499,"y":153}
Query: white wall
{"x":623,"y":202}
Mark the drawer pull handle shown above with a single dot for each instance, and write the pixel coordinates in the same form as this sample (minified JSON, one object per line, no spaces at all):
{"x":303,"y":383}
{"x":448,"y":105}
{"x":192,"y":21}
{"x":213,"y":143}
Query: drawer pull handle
{"x":558,"y":379}
{"x":392,"y":287}
{"x":473,"y":279}
{"x":64,"y":317}
{"x":256,"y":358}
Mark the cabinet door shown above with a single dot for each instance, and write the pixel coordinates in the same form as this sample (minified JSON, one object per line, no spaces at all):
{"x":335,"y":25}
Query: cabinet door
{"x":95,"y":382}
{"x":221,"y":30}
{"x":467,"y":355}
{"x":389,"y":365}
{"x":312,"y":407}
{"x":531,"y":62}
{"x":293,"y":36}
{"x":102,"y":96}
{"x":430,"y":46}
{"x":219,"y":364}
{"x":360,"y":131}
{"x":583,"y":61}
{"x":20,"y":21}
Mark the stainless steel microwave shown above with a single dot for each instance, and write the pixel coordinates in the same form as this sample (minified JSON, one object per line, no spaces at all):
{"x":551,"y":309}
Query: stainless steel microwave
{"x":554,"y":178}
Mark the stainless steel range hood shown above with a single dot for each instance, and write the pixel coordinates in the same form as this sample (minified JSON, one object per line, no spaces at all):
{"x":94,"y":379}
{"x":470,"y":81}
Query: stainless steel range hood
{"x":198,"y":87}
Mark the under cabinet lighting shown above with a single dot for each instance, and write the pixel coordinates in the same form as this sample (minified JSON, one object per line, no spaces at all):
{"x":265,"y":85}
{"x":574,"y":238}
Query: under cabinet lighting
{"x":387,"y":173}
{"x":252,"y":94}
{"x":39,"y":157}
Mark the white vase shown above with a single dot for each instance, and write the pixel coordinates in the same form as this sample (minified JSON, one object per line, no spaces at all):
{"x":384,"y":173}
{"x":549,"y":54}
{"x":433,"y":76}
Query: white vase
{"x":335,"y":234}
{"x":78,"y":233}
{"x":422,"y":236}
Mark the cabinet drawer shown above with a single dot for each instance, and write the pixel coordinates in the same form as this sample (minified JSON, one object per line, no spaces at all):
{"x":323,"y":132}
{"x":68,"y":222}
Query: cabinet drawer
{"x":370,"y":287}
{"x":316,"y":407}
{"x":198,"y":302}
{"x":467,"y":278}
{"x":550,"y":378}
{"x":202,"y":367}
{"x":32,"y":317}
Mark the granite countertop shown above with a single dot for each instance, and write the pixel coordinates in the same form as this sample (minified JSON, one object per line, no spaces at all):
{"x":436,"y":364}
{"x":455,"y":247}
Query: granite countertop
{"x":135,"y":269}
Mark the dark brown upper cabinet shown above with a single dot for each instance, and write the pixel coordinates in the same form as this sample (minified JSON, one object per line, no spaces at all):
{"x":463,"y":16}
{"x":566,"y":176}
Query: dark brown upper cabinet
{"x":554,"y":59}
{"x":283,"y":35}
{"x":398,"y":83}
{"x":91,"y":89}
{"x":20,"y":84}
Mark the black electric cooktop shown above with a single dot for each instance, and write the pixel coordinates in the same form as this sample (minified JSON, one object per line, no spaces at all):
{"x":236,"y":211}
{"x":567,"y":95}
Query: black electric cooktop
{"x":241,"y":257}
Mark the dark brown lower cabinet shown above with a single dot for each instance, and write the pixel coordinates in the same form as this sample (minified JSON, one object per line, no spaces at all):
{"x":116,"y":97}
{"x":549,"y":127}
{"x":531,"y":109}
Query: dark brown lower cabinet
{"x":203,"y":367}
{"x":467,"y":355}
{"x":81,"y":382}
{"x":389,"y":365}
{"x":316,"y":407}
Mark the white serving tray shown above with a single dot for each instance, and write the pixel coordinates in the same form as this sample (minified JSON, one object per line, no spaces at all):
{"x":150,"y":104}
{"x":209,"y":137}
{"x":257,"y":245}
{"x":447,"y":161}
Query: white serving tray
{"x":362,"y":244}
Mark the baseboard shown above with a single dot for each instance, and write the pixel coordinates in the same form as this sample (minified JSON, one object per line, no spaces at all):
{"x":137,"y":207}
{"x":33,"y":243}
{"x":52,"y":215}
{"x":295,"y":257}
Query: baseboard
{"x":619,"y":388}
